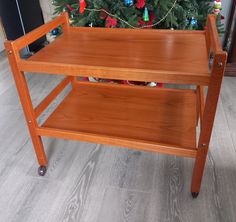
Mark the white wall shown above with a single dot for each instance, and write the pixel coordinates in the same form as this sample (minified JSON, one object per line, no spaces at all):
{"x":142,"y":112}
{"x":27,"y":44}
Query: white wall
{"x":47,"y":9}
{"x":1,"y":37}
{"x":226,"y":5}
{"x":1,"y":42}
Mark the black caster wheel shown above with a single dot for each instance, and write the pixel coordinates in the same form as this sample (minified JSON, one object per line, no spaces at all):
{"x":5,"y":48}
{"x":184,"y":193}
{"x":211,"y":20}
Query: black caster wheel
{"x":42,"y":170}
{"x":194,"y":194}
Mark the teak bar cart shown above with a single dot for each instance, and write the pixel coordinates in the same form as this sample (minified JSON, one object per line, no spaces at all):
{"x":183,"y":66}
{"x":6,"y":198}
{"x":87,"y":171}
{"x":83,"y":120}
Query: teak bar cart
{"x":151,"y":119}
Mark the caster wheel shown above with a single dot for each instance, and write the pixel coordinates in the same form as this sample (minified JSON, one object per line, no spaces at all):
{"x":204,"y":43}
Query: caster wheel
{"x":42,"y":170}
{"x":194,"y":194}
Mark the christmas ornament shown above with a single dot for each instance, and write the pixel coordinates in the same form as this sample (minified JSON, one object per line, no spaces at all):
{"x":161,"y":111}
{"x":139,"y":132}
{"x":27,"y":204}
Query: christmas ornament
{"x":82,"y":6}
{"x":217,"y":4}
{"x":152,"y":84}
{"x":148,"y":24}
{"x":216,"y":11}
{"x":145,"y":15}
{"x":217,"y":7}
{"x":167,"y":12}
{"x":55,"y":31}
{"x":140,"y":3}
{"x":129,"y":2}
{"x":102,"y":15}
{"x":69,"y":7}
{"x":111,"y":23}
{"x":193,"y":21}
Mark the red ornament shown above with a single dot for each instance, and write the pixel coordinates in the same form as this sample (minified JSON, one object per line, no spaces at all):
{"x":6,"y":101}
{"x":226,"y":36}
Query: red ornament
{"x":69,"y":7}
{"x":82,"y":6}
{"x":103,"y":15}
{"x":111,"y":22}
{"x":140,"y":3}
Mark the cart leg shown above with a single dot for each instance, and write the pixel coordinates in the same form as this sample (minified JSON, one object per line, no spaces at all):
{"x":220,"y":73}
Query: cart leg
{"x":26,"y":102}
{"x":40,"y":154}
{"x":198,"y":171}
{"x":39,"y":149}
{"x":207,"y":120}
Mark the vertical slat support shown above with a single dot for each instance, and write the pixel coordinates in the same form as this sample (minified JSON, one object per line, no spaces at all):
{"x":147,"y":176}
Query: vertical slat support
{"x":25,"y":99}
{"x":200,"y":103}
{"x":65,"y":27}
{"x":208,"y":119}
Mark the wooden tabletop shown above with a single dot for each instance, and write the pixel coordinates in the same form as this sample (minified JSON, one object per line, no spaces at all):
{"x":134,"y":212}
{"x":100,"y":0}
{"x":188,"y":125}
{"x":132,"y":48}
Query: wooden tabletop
{"x":145,"y":55}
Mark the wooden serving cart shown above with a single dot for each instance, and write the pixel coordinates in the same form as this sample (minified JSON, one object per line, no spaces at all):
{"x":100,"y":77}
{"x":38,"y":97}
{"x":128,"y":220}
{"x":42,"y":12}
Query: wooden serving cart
{"x":151,"y":119}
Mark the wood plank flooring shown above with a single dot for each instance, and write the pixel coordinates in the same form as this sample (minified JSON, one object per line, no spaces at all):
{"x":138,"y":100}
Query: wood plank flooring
{"x":88,"y":182}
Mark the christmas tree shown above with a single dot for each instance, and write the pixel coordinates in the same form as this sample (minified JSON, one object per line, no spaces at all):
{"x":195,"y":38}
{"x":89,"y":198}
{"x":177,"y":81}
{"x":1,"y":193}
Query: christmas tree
{"x":160,"y":14}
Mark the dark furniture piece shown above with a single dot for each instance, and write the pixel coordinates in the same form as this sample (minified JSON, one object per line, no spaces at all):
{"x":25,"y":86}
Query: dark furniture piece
{"x":230,"y":42}
{"x":19,"y":17}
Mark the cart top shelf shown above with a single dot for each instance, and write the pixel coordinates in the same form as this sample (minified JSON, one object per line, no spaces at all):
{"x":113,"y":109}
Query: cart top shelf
{"x":145,"y":55}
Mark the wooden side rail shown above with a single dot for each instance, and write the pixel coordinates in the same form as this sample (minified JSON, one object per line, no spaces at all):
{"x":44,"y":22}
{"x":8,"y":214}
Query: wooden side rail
{"x":117,"y":141}
{"x":51,"y":96}
{"x":15,"y":46}
{"x":212,"y":39}
{"x":213,"y":43}
{"x":40,"y":31}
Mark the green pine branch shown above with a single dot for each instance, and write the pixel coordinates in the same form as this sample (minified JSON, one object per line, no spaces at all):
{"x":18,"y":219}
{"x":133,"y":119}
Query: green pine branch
{"x":179,"y":18}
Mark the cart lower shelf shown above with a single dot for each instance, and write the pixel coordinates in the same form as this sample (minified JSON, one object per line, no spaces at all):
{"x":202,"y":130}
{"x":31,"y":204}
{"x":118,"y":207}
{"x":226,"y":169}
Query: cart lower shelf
{"x":139,"y":117}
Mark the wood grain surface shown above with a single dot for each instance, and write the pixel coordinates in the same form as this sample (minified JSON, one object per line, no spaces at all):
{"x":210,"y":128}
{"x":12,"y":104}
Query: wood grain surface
{"x":142,"y":49}
{"x":142,"y":55}
{"x":162,"y":116}
{"x":118,"y":183}
{"x":154,"y":55}
{"x":117,"y":119}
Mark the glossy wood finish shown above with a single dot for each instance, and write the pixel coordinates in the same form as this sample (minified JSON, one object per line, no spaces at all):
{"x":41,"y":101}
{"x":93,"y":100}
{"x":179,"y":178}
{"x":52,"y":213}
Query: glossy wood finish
{"x":208,"y":119}
{"x":213,"y":40}
{"x":159,"y":120}
{"x":25,"y":99}
{"x":144,"y":55}
{"x":130,"y":113}
{"x":217,"y":73}
{"x":52,"y":96}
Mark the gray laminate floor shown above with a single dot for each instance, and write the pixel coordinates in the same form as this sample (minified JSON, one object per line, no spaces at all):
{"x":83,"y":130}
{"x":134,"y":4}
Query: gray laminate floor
{"x":87,"y":182}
